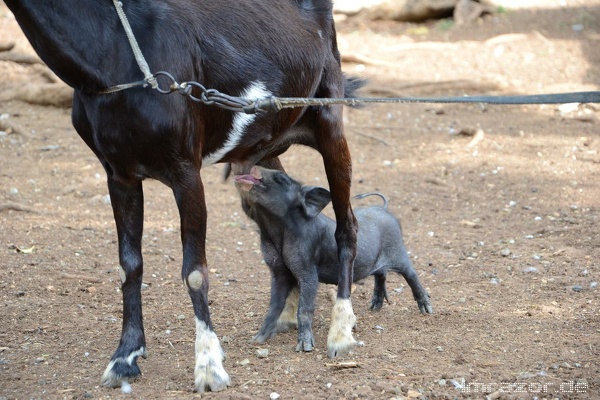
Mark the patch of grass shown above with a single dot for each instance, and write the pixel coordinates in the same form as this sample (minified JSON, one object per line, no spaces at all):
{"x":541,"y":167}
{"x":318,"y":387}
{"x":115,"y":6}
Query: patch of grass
{"x":445,"y":24}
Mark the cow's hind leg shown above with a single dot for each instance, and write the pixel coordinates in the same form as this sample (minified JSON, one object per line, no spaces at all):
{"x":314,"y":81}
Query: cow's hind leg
{"x":332,"y":145}
{"x":189,"y":193}
{"x":128,"y":208}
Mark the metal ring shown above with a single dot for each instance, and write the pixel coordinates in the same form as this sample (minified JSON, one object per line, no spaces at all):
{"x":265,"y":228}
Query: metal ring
{"x":202,"y":98}
{"x":172,"y":86}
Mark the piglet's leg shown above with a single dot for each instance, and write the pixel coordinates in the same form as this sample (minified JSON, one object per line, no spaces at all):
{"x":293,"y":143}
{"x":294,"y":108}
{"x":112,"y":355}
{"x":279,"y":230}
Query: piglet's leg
{"x":406,"y":269}
{"x":306,"y":309}
{"x":128,"y":208}
{"x":282,"y":283}
{"x":189,"y":194}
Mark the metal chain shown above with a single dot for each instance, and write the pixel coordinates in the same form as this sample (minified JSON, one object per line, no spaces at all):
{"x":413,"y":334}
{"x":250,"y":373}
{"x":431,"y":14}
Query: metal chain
{"x":205,"y":96}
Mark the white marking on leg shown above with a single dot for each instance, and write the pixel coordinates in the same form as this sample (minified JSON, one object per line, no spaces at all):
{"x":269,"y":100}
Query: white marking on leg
{"x":131,"y":357}
{"x":339,"y":339}
{"x":195,"y":279}
{"x":125,"y":387}
{"x":289,"y":316}
{"x":209,"y":372}
{"x":122,"y":275}
{"x":109,"y":378}
{"x":241,"y":120}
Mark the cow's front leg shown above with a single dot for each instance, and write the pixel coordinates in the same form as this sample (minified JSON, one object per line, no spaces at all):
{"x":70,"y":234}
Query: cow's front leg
{"x":189,"y":193}
{"x":128,"y":208}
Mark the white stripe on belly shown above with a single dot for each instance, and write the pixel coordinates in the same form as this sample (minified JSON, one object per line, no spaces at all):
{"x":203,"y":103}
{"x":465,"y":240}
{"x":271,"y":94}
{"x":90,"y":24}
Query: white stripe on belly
{"x":241,"y":120}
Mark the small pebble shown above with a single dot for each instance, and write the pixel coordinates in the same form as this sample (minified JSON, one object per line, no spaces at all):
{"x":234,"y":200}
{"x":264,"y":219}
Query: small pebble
{"x":50,"y":147}
{"x":577,"y":28}
{"x":525,"y":375}
{"x":529,"y":269}
{"x":262,"y":353}
{"x":505,"y":252}
{"x":494,"y":281}
{"x":274,"y":396}
{"x":245,"y":361}
{"x":577,"y":288}
{"x":442,"y":382}
{"x":593,"y":285}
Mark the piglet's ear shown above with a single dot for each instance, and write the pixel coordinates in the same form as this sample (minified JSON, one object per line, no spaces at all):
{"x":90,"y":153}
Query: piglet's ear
{"x":315,"y":200}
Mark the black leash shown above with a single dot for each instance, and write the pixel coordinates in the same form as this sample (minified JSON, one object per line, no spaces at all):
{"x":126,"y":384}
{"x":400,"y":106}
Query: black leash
{"x":278,"y":103}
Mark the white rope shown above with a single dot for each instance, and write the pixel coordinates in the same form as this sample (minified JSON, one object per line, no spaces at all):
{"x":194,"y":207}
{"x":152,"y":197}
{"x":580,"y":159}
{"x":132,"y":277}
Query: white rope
{"x":139,"y":57}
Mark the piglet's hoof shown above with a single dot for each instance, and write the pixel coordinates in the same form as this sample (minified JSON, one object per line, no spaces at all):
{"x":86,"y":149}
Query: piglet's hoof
{"x":261,"y":338}
{"x":425,"y":307}
{"x":305,"y":345}
{"x":340,"y":340}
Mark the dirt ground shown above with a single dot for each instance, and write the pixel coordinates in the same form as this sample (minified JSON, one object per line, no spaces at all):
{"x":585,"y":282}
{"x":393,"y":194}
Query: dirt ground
{"x":500,"y":207}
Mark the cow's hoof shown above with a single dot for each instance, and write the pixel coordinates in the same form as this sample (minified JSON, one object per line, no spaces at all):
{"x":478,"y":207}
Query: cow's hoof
{"x":340,"y":340}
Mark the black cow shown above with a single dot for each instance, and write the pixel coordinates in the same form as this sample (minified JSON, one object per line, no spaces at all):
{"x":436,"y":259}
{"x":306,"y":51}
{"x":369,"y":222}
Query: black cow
{"x":250,"y":48}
